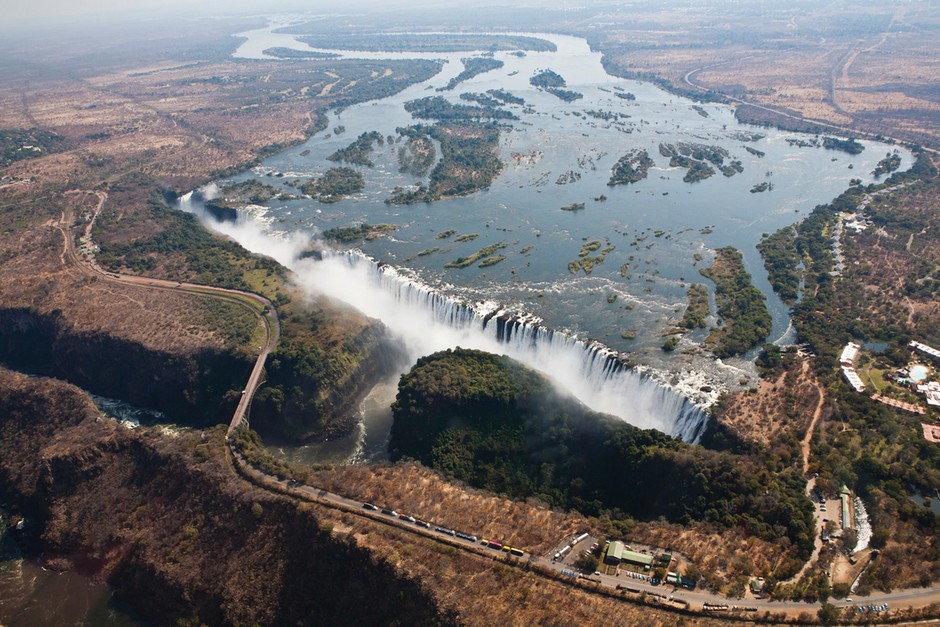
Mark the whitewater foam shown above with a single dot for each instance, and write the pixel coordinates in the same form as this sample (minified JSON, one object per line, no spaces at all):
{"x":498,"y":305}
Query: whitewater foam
{"x":424,"y":321}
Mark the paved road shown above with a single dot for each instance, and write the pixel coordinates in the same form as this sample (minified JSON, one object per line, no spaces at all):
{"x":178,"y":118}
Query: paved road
{"x":258,"y":305}
{"x":695,"y":599}
{"x":268,"y":315}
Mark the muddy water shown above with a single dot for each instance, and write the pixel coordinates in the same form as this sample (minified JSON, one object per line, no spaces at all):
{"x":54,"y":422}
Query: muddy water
{"x":31,"y":596}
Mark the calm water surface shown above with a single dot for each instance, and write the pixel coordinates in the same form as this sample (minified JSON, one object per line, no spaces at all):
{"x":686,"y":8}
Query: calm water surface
{"x":662,"y":230}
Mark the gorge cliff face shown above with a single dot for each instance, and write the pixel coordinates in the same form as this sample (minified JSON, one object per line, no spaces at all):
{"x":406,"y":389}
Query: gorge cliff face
{"x":315,"y":386}
{"x":311,"y":393}
{"x":167,"y":522}
{"x":199,"y":387}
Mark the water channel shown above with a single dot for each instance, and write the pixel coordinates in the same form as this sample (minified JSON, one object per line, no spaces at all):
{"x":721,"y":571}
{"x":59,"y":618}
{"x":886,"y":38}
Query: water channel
{"x":659,"y":231}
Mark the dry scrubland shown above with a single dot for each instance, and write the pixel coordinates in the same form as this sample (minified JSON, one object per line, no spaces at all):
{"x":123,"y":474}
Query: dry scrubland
{"x":896,"y":260}
{"x":140,"y":114}
{"x":34,"y":275}
{"x":781,"y":406}
{"x":481,"y":591}
{"x":170,"y":115}
{"x":217,"y":550}
{"x":871,"y":68}
{"x":413,"y":489}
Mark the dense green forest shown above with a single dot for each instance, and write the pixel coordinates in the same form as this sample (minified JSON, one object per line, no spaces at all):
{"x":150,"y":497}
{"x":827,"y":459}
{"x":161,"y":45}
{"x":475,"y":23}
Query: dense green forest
{"x":742,"y":308}
{"x":782,"y":259}
{"x":203,"y":258}
{"x":489,"y":421}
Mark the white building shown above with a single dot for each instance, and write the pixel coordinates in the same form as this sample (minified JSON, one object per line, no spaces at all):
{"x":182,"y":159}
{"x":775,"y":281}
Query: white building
{"x":849,"y":353}
{"x":932,"y":391}
{"x":852,"y":377}
{"x":933,"y":352}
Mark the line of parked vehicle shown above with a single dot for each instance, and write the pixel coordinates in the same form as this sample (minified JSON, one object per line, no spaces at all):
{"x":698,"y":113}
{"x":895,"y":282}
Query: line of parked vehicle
{"x":499,"y":546}
{"x":445,"y":530}
{"x":564,"y":550}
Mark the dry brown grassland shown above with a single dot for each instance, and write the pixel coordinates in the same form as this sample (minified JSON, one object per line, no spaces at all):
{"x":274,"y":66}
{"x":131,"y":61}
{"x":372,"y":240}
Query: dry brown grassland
{"x":174,"y":122}
{"x":871,"y":68}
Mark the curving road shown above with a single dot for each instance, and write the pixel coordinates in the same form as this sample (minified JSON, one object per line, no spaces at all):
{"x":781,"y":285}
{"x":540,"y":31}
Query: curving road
{"x":679,"y":598}
{"x":258,"y":305}
{"x":665,"y":595}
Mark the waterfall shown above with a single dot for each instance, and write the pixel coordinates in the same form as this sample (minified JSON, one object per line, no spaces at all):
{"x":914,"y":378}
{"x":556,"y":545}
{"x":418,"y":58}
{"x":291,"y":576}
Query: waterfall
{"x":425,"y":321}
{"x":429,"y":321}
{"x":862,"y":526}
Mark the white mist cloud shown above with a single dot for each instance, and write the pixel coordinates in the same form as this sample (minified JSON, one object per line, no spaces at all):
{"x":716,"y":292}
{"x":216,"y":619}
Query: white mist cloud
{"x":424,"y":322}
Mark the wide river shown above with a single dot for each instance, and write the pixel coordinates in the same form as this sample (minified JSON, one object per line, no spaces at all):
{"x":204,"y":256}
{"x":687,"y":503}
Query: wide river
{"x":659,"y":232}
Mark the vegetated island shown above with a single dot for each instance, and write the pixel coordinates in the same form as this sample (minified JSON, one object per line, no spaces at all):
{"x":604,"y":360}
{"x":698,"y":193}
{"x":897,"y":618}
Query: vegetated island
{"x":693,"y":318}
{"x":418,"y":42}
{"x":631,"y":167}
{"x":358,"y":152}
{"x":585,"y":261}
{"x":292,"y":53}
{"x":249,"y":191}
{"x":495,"y":424}
{"x":469,"y":158}
{"x":850,"y":145}
{"x":418,"y":153}
{"x":889,"y":164}
{"x":237,"y":195}
{"x":505,"y":96}
{"x":485,"y":254}
{"x":473,"y":66}
{"x":697,"y":310}
{"x":781,"y":259}
{"x":699,"y":159}
{"x":335,"y":184}
{"x":439,"y":108}
{"x":553,"y":83}
{"x":348,"y":234}
{"x":484,"y":100}
{"x":744,"y":319}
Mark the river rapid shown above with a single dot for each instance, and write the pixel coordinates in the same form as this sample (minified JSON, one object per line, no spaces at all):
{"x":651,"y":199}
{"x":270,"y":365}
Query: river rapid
{"x":659,"y":232}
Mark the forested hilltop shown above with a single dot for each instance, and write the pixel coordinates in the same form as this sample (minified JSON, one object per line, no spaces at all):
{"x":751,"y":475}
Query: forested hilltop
{"x":489,"y":421}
